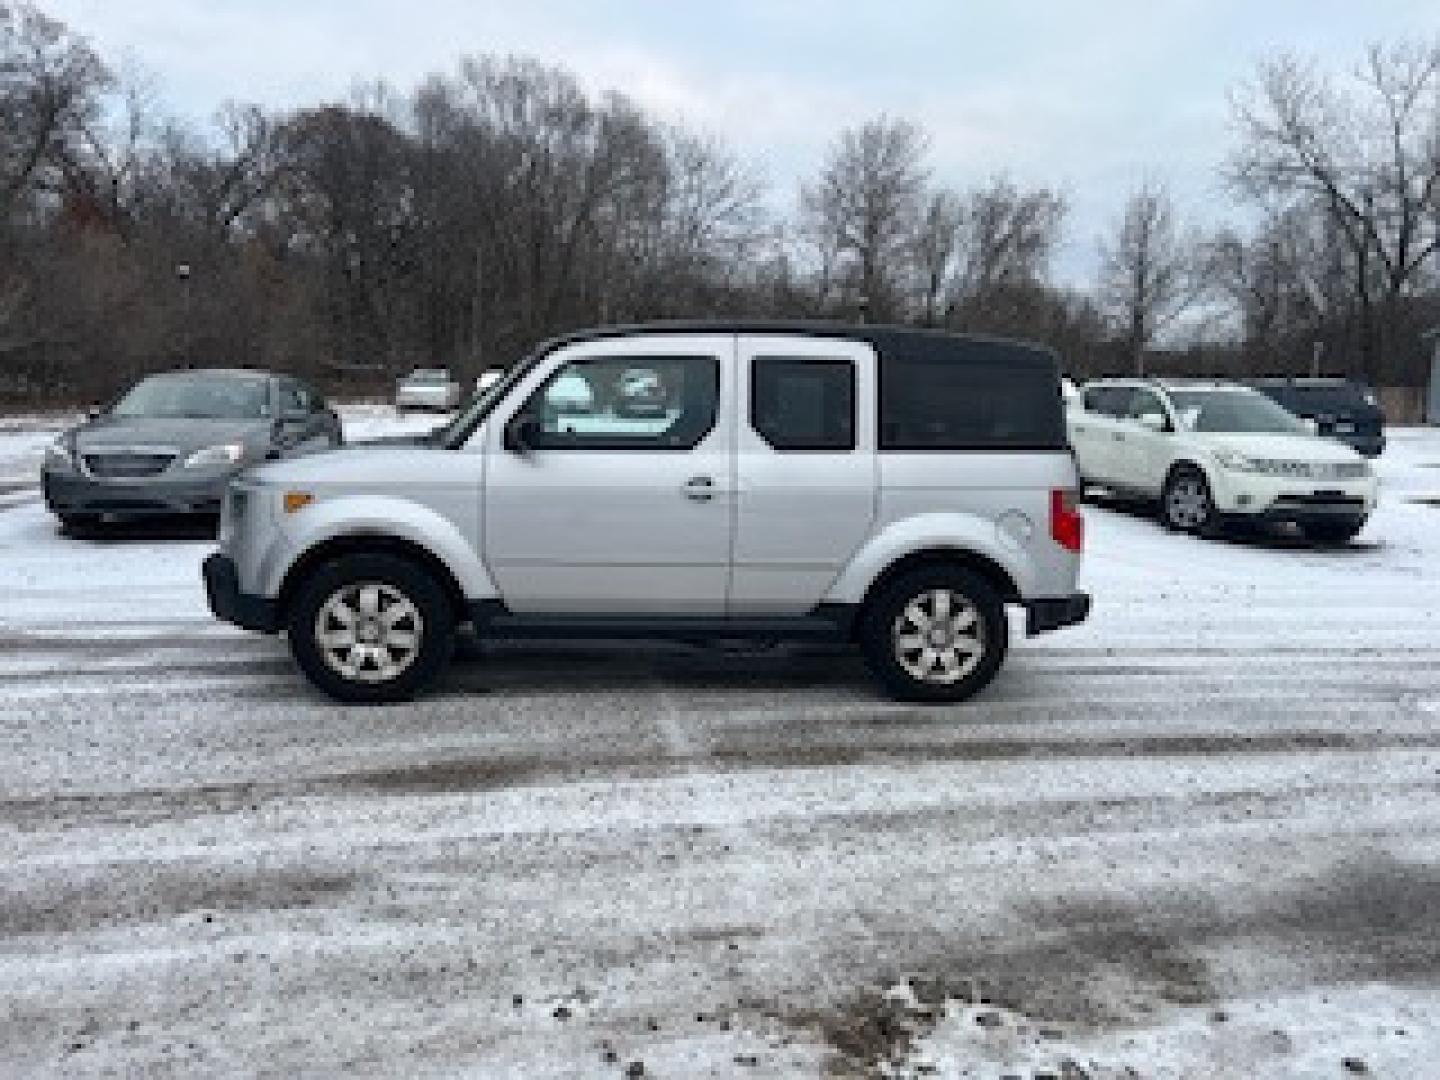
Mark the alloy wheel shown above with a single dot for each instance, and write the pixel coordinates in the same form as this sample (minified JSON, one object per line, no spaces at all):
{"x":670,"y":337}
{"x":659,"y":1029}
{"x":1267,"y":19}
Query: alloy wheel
{"x":369,"y":632}
{"x":939,"y":637}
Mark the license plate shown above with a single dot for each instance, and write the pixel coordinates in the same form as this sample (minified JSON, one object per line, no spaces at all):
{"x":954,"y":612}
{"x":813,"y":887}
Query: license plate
{"x":1344,"y":429}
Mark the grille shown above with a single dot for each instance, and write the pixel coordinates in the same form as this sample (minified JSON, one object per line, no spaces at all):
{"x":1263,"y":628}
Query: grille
{"x":127,"y":466}
{"x":1344,"y":470}
{"x":1332,"y":500}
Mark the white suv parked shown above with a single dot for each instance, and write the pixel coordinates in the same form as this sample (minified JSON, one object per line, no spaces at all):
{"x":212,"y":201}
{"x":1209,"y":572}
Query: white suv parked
{"x":892,"y":487}
{"x":1214,"y":452}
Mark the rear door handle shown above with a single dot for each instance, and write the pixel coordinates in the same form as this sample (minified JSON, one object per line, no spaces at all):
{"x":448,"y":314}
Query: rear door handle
{"x":1119,"y":437}
{"x":699,"y":488}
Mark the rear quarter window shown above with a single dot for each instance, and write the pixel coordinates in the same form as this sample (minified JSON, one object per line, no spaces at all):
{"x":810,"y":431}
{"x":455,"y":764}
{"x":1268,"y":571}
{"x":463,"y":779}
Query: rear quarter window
{"x":976,"y":397}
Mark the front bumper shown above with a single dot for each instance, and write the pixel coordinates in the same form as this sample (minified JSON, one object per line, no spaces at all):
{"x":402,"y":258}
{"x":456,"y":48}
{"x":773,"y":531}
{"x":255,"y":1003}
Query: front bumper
{"x":1257,"y":497}
{"x":1043,"y":616}
{"x":165,"y":494}
{"x":229,"y":604}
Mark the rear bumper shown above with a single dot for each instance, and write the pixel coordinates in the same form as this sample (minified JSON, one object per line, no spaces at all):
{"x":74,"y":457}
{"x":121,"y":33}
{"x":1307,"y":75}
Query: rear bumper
{"x":1043,"y":616}
{"x":75,"y":493}
{"x":229,"y":604}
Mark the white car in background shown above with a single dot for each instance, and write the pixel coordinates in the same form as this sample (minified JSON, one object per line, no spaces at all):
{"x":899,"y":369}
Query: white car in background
{"x":430,"y":389}
{"x":1211,"y":453}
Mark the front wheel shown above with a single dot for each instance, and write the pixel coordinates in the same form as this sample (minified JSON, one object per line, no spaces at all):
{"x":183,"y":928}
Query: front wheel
{"x":371,"y":628}
{"x":1186,"y":504}
{"x":937,"y":634}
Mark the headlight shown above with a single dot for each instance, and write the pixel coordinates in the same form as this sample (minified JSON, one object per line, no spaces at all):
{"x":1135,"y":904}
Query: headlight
{"x":227,"y":454}
{"x":1236,"y":462}
{"x":60,"y":452}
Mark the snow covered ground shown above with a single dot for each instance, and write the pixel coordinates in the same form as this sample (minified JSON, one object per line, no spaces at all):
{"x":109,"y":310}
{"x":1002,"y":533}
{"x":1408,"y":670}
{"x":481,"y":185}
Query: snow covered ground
{"x":1197,"y":837}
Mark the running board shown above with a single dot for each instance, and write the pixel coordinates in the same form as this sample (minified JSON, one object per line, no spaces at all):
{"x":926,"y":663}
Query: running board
{"x":492,"y":620}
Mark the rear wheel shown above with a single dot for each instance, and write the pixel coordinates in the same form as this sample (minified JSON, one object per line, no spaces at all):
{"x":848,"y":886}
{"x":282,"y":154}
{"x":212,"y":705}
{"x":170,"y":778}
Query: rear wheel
{"x":1332,"y":533}
{"x":936,"y":634}
{"x":1186,"y":504}
{"x":372,"y":628}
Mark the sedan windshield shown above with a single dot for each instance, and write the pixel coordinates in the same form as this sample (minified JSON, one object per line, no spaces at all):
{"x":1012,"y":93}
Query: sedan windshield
{"x":196,"y":397}
{"x":1234,"y":412}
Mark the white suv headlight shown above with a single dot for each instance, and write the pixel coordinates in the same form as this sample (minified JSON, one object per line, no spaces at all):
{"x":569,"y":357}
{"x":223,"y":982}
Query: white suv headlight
{"x":225,"y":454}
{"x":1236,"y":462}
{"x":60,"y":452}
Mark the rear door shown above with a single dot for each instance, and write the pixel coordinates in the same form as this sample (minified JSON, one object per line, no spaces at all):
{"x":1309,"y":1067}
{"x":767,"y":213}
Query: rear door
{"x":805,"y":469}
{"x":1092,"y":431}
{"x":615,"y":510}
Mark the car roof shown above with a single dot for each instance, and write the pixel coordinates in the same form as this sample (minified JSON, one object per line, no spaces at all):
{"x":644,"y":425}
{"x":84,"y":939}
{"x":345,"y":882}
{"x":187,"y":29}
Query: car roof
{"x":1302,"y":382}
{"x":213,"y":373}
{"x":1171,"y":384}
{"x":888,"y":341}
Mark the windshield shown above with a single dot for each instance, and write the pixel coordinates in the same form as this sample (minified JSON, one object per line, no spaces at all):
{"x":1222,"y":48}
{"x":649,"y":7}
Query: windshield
{"x":1234,"y":412}
{"x":196,"y":397}
{"x":453,"y":434}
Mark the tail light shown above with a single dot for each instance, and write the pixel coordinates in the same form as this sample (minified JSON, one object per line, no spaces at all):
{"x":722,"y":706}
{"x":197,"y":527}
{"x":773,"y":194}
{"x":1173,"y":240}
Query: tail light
{"x":1067,"y":527}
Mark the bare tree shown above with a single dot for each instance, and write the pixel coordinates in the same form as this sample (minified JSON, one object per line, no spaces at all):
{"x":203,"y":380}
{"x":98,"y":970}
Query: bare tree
{"x":1008,"y":239}
{"x":50,"y":83}
{"x":937,"y":247}
{"x":865,"y":204}
{"x":1147,"y":278}
{"x":1368,"y":150}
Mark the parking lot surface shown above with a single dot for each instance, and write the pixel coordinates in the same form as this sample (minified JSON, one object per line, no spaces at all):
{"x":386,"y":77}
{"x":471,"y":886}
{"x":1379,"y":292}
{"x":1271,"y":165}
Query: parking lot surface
{"x":1195,"y":837}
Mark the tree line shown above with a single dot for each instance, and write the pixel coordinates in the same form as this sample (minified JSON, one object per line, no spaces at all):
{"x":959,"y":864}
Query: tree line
{"x":460,"y":221}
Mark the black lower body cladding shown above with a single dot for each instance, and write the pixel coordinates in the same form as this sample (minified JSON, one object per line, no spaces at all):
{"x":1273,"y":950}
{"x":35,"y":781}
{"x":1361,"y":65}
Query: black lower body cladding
{"x":229,"y":604}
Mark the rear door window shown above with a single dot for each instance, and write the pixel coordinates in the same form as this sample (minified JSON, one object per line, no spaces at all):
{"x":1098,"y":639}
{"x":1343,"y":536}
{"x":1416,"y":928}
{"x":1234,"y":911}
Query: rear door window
{"x":803,"y":403}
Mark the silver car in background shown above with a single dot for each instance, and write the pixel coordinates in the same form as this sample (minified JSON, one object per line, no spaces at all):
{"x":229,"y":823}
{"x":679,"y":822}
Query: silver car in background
{"x":171,"y":443}
{"x":429,"y":390}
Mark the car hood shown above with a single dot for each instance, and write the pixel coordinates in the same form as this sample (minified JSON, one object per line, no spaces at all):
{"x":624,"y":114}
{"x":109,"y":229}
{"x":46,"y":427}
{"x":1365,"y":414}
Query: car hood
{"x":372,"y":465}
{"x":1310,"y":448}
{"x":115,"y":432}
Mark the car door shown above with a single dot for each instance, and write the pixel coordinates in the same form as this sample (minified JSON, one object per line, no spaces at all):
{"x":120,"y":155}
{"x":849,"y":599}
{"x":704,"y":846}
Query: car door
{"x":1144,"y":451}
{"x":1092,"y":432}
{"x":805,"y":469}
{"x":592,"y":509}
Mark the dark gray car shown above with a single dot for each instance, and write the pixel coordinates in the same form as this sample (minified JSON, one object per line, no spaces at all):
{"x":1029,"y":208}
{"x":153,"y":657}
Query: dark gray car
{"x":170,"y":444}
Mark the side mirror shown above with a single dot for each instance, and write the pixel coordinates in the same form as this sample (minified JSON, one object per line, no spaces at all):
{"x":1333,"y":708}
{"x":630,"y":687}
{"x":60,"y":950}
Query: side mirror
{"x":1154,"y":421}
{"x":93,"y":413}
{"x":1310,"y":425}
{"x":522,"y":434}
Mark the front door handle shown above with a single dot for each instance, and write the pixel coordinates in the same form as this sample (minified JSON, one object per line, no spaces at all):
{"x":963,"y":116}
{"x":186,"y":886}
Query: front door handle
{"x":699,"y":488}
{"x":1119,"y":437}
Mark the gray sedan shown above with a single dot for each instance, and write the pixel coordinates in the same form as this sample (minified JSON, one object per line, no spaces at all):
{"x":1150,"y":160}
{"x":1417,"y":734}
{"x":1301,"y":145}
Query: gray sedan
{"x":170,"y":444}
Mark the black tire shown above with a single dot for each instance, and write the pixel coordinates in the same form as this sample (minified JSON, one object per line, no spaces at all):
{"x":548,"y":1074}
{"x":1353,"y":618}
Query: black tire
{"x":1332,"y":533}
{"x":400,"y":577}
{"x":1200,"y":520}
{"x":879,"y":632}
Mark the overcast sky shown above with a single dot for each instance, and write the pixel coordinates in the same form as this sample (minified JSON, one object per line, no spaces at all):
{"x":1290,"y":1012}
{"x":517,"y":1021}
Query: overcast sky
{"x":1089,"y":96}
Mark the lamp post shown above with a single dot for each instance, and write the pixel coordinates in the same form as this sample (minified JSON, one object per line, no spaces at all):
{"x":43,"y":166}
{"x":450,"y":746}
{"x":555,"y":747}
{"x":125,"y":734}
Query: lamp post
{"x":182,"y":275}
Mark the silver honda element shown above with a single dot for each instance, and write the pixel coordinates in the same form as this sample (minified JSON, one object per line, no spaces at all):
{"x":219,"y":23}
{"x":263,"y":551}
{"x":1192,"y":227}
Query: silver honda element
{"x":889,"y":487}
